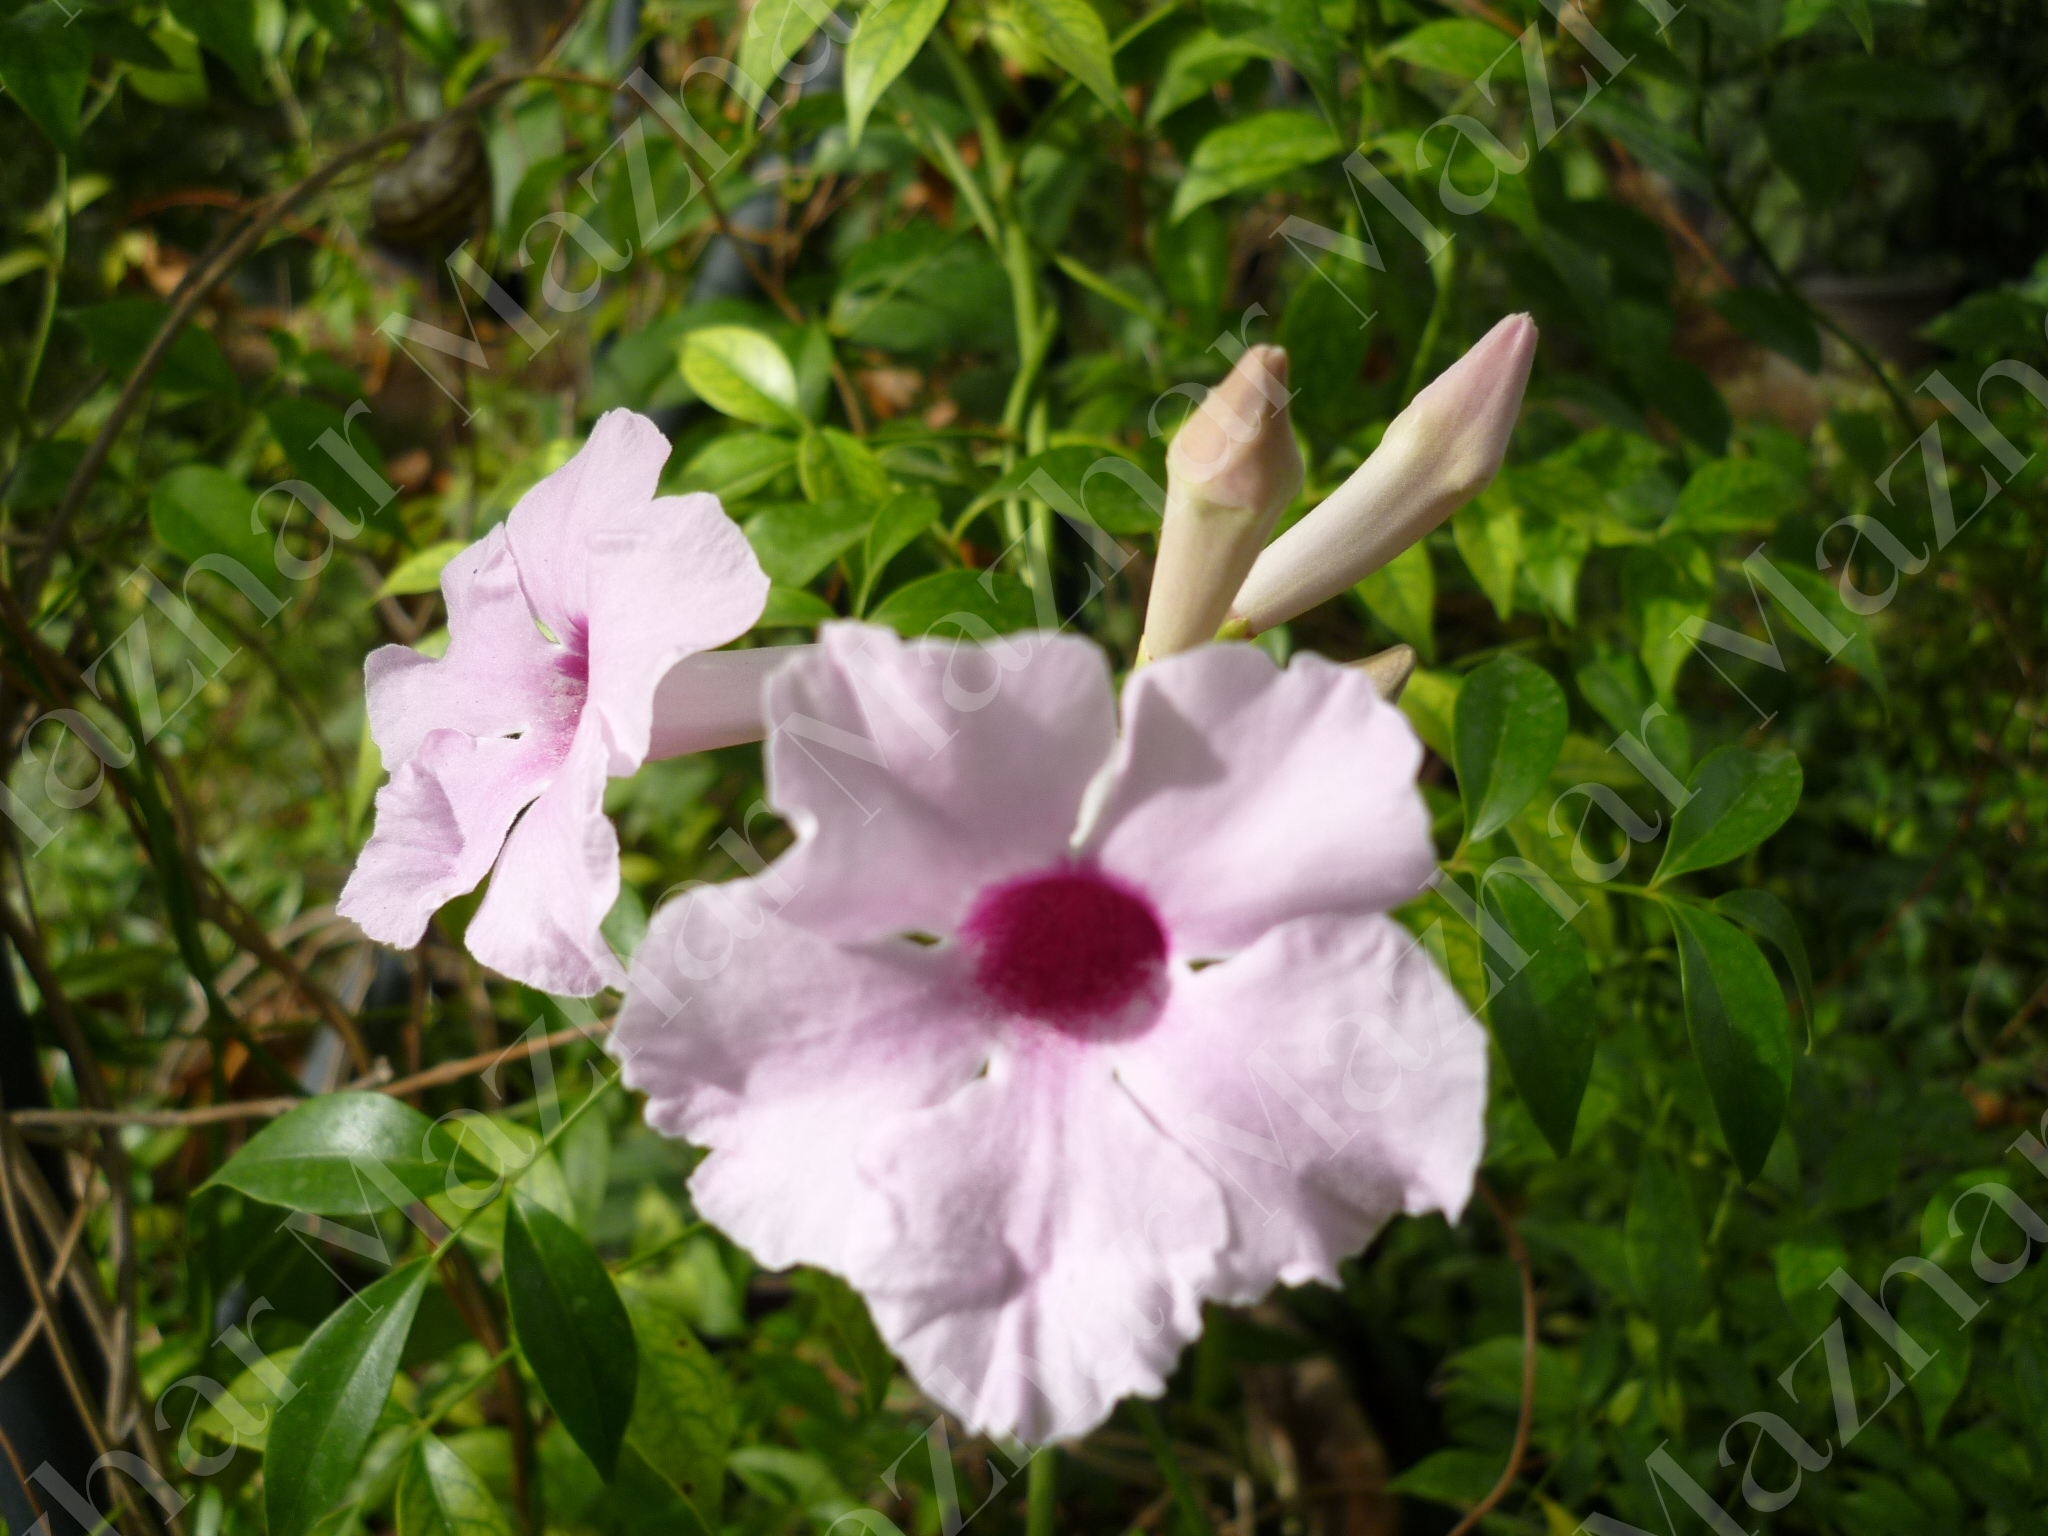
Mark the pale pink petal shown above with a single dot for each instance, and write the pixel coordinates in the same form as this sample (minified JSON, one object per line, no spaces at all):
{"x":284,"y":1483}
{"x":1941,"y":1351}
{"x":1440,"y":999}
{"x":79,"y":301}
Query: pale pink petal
{"x":782,"y":1051}
{"x":553,"y":527}
{"x":716,"y":699}
{"x":1330,"y":1078}
{"x":1243,"y":796}
{"x":1047,"y":1246}
{"x":917,"y":773}
{"x":665,"y":580}
{"x":440,"y":823}
{"x":554,"y":883}
{"x":499,"y":676}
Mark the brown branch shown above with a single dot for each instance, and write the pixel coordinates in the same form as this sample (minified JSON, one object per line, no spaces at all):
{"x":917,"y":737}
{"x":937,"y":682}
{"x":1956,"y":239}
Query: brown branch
{"x":265,"y":1109}
{"x":1520,"y":1255}
{"x":216,"y":903}
{"x":51,"y":1282}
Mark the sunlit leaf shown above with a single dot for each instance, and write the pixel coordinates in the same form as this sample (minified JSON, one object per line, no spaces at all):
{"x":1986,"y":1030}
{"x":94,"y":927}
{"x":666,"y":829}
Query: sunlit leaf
{"x":1510,"y":727}
{"x":1737,"y":799}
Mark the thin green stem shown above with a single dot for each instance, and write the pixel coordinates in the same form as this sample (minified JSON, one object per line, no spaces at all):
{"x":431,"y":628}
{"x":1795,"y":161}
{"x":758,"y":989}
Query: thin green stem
{"x":515,"y":1175}
{"x":1444,"y":266}
{"x":1193,"y":1516}
{"x":993,"y":150}
{"x":1043,"y":1491}
{"x":60,"y":240}
{"x":660,"y":1249}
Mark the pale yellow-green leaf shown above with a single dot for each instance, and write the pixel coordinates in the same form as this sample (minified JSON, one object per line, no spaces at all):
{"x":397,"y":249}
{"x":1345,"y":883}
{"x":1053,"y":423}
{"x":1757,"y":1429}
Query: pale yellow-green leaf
{"x":1402,"y":595}
{"x":884,"y":42}
{"x":742,"y":373}
{"x":1071,"y":34}
{"x":421,"y":570}
{"x":1488,"y":534}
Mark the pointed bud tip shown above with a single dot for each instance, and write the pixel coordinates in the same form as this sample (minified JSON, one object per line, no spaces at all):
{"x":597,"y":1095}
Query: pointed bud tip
{"x":1243,"y":418}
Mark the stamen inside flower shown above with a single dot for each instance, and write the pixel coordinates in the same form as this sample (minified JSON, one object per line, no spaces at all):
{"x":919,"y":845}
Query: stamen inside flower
{"x":1068,"y":948}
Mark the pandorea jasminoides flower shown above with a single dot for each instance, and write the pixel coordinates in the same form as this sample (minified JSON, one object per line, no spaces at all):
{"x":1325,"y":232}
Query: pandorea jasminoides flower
{"x":1230,"y":473}
{"x":1041,"y":1035}
{"x":1437,"y":455}
{"x":561,"y":624}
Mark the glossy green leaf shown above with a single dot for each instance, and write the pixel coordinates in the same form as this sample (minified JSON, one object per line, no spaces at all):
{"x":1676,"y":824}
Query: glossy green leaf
{"x":1105,"y":486}
{"x":953,"y":604}
{"x":572,"y":1329}
{"x":1071,"y":34}
{"x":1738,"y":798}
{"x":1774,"y":321}
{"x":886,"y":40}
{"x":44,"y":63}
{"x":742,"y":373}
{"x":1510,"y":728}
{"x":1661,"y":1239}
{"x":1763,"y":914}
{"x":343,"y":1375}
{"x":837,"y":466}
{"x":1488,"y":533}
{"x":1543,"y":1016}
{"x":1402,"y":595}
{"x":1252,"y":152}
{"x":1196,"y":67}
{"x":901,"y":519}
{"x":736,"y":465}
{"x":1728,"y":495}
{"x":226,"y":28}
{"x":797,"y":540}
{"x":1740,"y":1030}
{"x":1430,"y":701}
{"x":421,"y":570}
{"x":439,"y":1495}
{"x":347,"y":1154}
{"x":197,"y":510}
{"x":772,"y":32}
{"x":683,"y":1416}
{"x":1458,"y":47}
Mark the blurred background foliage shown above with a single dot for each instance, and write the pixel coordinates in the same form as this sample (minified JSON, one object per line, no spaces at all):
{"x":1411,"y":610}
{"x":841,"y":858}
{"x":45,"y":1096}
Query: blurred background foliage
{"x":1000,"y":236}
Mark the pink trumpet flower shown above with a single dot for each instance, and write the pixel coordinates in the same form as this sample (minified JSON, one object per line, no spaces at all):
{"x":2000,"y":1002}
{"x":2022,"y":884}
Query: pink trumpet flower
{"x":1437,"y":455}
{"x":1042,"y":1035}
{"x":563,"y":623}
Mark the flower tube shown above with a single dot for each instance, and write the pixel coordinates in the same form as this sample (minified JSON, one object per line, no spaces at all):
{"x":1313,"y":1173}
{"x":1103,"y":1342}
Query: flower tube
{"x":1437,"y":455}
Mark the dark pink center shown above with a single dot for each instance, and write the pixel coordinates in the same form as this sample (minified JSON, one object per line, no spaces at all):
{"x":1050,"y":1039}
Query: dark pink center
{"x":1069,"y":948}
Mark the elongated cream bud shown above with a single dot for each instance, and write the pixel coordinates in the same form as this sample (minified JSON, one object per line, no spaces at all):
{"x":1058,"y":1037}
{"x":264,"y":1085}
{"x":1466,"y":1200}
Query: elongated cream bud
{"x":1230,"y":473}
{"x":1436,"y":456}
{"x":714,"y":699}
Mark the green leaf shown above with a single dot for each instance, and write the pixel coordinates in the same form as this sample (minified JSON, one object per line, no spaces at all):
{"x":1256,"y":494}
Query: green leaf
{"x":44,"y":63}
{"x":421,"y":570}
{"x":1509,"y":730}
{"x":774,"y":32}
{"x":683,"y":1418}
{"x":1774,"y":321}
{"x":1252,"y":152}
{"x":1543,"y":1015}
{"x":197,"y":510}
{"x":1462,"y":49}
{"x":1661,"y":1238}
{"x":1738,"y":798}
{"x":1328,"y":336}
{"x":887,"y":40}
{"x":1196,"y":67}
{"x":742,"y":373}
{"x":902,"y":518}
{"x":738,"y":464}
{"x":836,"y":466}
{"x":1763,"y":914}
{"x":1727,"y":495}
{"x":116,"y":37}
{"x":346,"y":1154}
{"x":1071,"y":34}
{"x":962,"y":601}
{"x":842,"y":1317}
{"x":226,"y":28}
{"x":343,"y":1375}
{"x":300,"y":424}
{"x":797,"y":540}
{"x":572,"y":1328}
{"x":1459,"y":1478}
{"x":1740,"y":1031}
{"x":1193,"y":260}
{"x":439,"y":1495}
{"x":1402,"y":595}
{"x":1660,"y":596}
{"x":1488,"y":534}
{"x":1554,"y":551}
{"x":1937,"y":1384}
{"x":120,"y":331}
{"x":1858,"y":12}
{"x":1430,"y":701}
{"x":794,"y":608}
{"x":1105,"y":486}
